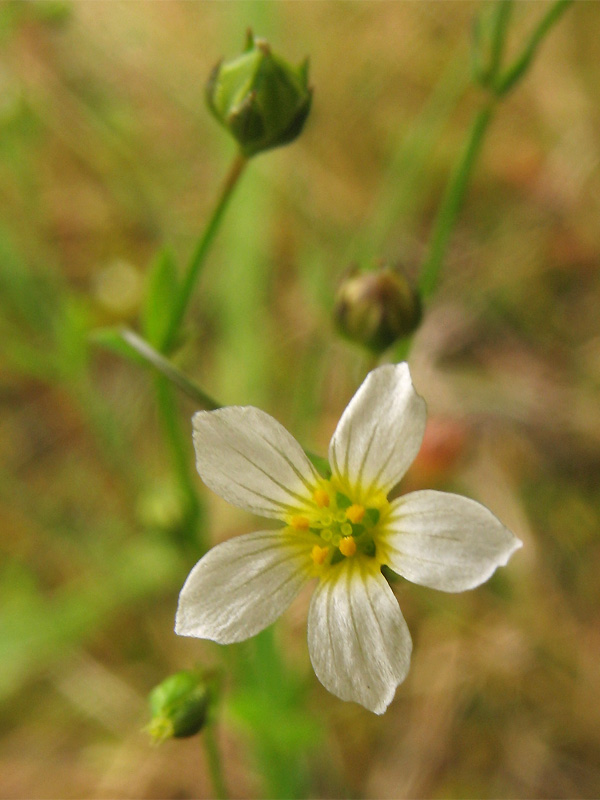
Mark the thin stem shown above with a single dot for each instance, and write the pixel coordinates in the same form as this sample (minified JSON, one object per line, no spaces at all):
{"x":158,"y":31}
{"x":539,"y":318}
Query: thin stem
{"x":489,"y":37}
{"x":501,"y":18}
{"x":166,"y":368}
{"x":452,"y":202}
{"x":215,"y":765}
{"x":169,"y":371}
{"x":520,"y":66}
{"x":457,"y":185}
{"x":188,"y":533}
{"x":199,"y":254}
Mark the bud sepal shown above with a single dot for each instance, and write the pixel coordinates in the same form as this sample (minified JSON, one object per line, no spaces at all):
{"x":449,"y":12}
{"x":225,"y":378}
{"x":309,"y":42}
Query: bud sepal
{"x":377,"y":307}
{"x":260,"y":98}
{"x":179,"y":705}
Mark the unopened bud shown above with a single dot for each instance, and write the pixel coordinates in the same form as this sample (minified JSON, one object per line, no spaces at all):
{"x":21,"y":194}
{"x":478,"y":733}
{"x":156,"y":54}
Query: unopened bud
{"x":376,"y":308}
{"x":261,"y":99}
{"x":179,"y":706}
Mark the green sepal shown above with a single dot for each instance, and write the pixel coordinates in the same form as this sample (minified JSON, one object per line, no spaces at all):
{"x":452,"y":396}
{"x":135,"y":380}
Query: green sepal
{"x":373,"y":515}
{"x":320,"y":464}
{"x":342,"y":501}
{"x":179,"y":706}
{"x":367,"y":546}
{"x":259,"y":97}
{"x":389,"y":574}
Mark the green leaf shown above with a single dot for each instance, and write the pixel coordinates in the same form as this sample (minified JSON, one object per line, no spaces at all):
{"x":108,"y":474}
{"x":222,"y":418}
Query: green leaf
{"x":161,"y":292}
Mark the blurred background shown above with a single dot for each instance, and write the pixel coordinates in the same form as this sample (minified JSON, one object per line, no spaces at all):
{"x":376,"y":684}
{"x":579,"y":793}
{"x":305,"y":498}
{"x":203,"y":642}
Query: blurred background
{"x":107,"y":154}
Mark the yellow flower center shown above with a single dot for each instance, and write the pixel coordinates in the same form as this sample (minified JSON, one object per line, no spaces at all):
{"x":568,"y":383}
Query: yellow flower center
{"x":341,"y":528}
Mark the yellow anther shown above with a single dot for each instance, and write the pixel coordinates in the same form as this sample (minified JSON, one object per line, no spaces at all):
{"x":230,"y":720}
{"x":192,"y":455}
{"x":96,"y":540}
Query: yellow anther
{"x":347,"y":546}
{"x":355,"y":513}
{"x":301,"y":523}
{"x":321,"y":498}
{"x":319,"y":554}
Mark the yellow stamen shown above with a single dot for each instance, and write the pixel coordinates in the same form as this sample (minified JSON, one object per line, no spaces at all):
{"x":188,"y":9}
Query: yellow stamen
{"x":301,"y":523}
{"x":319,"y":554}
{"x":321,"y":498}
{"x":355,"y":513}
{"x":347,"y":546}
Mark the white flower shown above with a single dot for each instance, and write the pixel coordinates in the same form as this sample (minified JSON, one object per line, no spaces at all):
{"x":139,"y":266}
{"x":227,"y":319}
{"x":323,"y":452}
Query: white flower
{"x":339,"y":531}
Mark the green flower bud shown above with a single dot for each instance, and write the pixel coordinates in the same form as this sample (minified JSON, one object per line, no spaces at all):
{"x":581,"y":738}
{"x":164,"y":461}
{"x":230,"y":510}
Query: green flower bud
{"x":376,"y":308}
{"x":179,"y":706}
{"x":261,"y":99}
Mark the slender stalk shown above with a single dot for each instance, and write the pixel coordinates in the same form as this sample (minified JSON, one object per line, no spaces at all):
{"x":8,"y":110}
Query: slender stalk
{"x":188,"y":533}
{"x":457,"y":185}
{"x":452,"y":201}
{"x":520,"y":66}
{"x":215,"y":765}
{"x":169,"y":371}
{"x":166,"y":368}
{"x":501,"y":18}
{"x":199,"y":254}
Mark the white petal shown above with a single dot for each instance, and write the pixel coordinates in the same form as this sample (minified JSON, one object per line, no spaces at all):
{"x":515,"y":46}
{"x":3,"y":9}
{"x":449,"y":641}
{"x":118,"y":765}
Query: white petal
{"x":446,"y":541}
{"x":358,"y":640}
{"x":380,"y":432}
{"x":241,"y":586}
{"x":248,"y":458}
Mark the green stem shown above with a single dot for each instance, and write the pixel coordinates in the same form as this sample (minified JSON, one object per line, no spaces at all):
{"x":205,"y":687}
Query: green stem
{"x":215,"y":765}
{"x":188,"y":534}
{"x":501,"y":18}
{"x":166,"y":368}
{"x":520,"y":66}
{"x":452,"y":201}
{"x":199,"y":254}
{"x":457,"y":185}
{"x":169,"y":371}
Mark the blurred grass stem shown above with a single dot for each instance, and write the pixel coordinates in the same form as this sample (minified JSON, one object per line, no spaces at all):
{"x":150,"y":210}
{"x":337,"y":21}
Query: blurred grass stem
{"x":522,"y":63}
{"x":499,"y":84}
{"x":200,"y":253}
{"x":452,"y":201}
{"x":215,"y":765}
{"x":189,"y":535}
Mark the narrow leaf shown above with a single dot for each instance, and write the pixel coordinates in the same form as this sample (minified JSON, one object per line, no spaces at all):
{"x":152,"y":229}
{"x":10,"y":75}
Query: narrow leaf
{"x":161,"y":291}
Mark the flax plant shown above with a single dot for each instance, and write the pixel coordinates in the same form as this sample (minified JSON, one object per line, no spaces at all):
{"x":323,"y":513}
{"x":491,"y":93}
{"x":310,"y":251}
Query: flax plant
{"x":343,"y":528}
